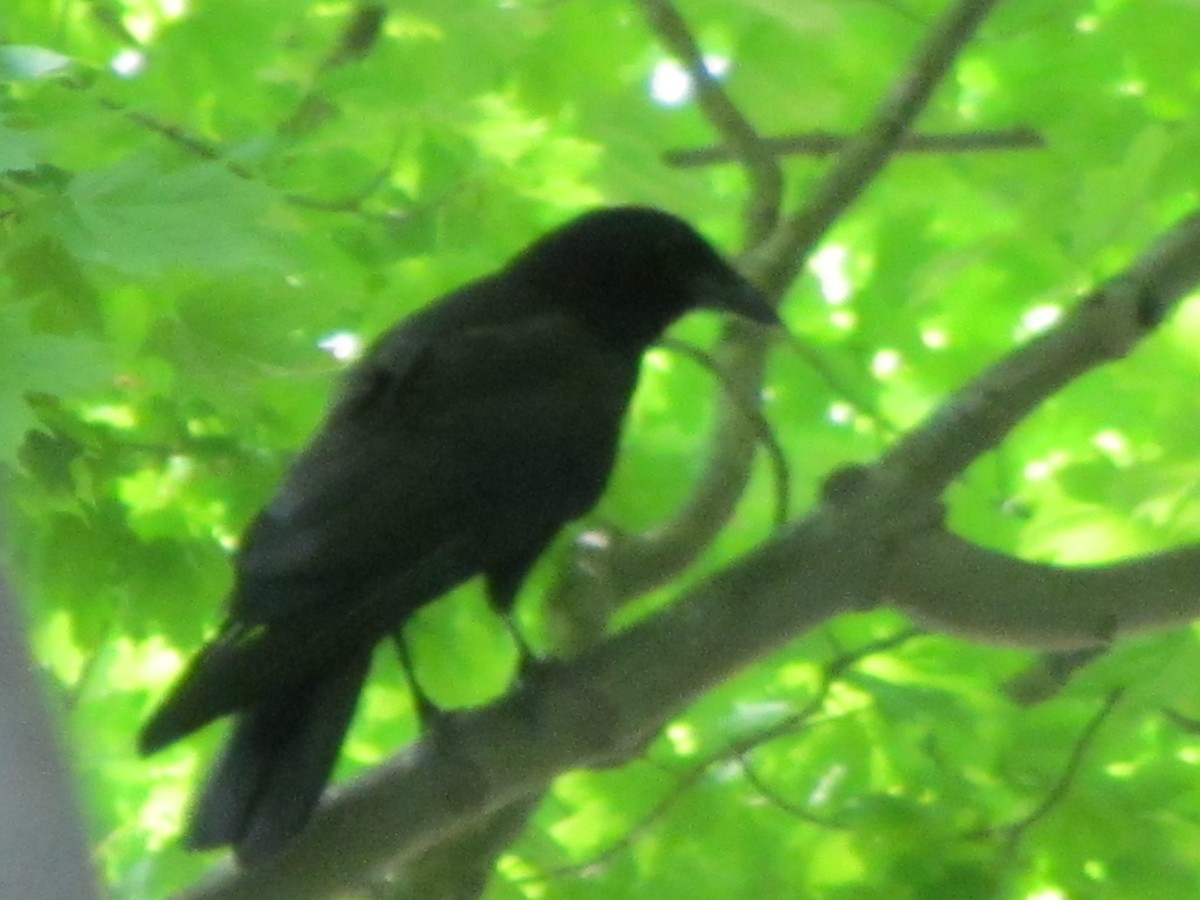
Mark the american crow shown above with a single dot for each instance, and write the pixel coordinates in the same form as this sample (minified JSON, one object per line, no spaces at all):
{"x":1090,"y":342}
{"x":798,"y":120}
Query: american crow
{"x":469,"y":434}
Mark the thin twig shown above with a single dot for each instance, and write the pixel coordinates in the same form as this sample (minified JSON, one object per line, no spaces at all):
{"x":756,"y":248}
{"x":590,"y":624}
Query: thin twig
{"x":749,"y":407}
{"x":359,"y":34}
{"x":782,"y":803}
{"x":736,"y":750}
{"x":782,"y":259}
{"x":826,"y":143}
{"x":1015,"y":831}
{"x":742,"y":141}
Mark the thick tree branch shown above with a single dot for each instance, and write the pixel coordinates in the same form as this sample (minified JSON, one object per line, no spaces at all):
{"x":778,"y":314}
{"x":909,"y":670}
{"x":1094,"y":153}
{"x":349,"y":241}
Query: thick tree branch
{"x":600,"y":707}
{"x":581,"y":714}
{"x":1104,"y":327}
{"x":966,"y":590}
{"x":958,"y":588}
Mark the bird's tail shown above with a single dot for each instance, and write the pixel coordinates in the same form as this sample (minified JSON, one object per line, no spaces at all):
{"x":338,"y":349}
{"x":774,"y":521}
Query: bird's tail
{"x":274,"y":766}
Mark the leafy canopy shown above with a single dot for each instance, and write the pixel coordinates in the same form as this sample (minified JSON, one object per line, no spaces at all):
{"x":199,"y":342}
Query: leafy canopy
{"x":206,"y":205}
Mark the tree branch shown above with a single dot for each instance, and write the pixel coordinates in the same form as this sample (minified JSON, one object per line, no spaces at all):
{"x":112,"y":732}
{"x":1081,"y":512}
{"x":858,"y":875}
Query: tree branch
{"x":1105,"y":326}
{"x":1014,"y":832}
{"x":631,"y":566}
{"x":742,"y":140}
{"x":602,"y":706}
{"x":957,"y":588}
{"x":780,"y":260}
{"x":826,"y":143}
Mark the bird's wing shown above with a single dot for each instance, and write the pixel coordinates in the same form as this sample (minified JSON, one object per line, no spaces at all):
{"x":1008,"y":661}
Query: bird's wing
{"x":470,"y":447}
{"x":464,"y":459}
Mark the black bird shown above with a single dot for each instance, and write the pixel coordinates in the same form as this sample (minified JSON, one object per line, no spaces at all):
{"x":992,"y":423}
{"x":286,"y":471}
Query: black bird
{"x":464,"y":440}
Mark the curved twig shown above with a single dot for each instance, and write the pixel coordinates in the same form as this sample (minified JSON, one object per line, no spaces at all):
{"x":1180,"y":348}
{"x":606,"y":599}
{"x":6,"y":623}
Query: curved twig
{"x":762,"y":427}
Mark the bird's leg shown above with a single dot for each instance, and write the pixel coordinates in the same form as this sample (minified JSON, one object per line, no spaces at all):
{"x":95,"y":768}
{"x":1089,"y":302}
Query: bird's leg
{"x":503,"y":582}
{"x":529,"y":664}
{"x":428,"y":712}
{"x":532,"y":669}
{"x":438,"y":734}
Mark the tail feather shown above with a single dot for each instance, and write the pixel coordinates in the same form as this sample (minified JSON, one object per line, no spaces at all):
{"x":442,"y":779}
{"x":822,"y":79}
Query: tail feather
{"x":274,"y":767}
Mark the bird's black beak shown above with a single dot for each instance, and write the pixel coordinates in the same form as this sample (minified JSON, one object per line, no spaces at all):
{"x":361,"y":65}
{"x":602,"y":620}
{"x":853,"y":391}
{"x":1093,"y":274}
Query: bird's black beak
{"x":734,"y":294}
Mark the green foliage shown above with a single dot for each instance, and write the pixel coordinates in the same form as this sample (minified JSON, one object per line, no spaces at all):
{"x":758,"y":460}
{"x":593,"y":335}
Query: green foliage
{"x":194,"y":196}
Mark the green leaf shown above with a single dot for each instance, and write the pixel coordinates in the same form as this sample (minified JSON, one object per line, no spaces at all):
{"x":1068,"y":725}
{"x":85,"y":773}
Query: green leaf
{"x":135,"y":218}
{"x":25,"y":63}
{"x":32,"y":363}
{"x":18,"y":150}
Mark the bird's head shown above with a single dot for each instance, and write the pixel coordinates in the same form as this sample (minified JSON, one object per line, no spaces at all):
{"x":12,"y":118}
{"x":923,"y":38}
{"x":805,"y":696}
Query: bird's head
{"x":632,"y":270}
